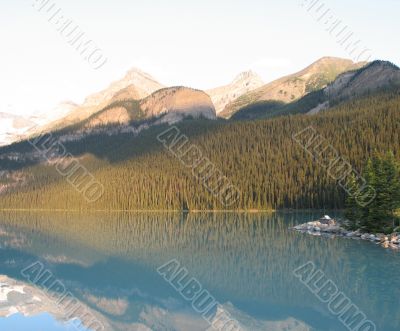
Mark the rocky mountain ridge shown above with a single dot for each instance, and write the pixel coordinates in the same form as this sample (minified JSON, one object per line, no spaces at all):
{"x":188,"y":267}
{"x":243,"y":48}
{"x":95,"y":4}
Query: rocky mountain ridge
{"x":138,"y":96}
{"x":293,"y":87}
{"x":374,"y":77}
{"x":243,"y":83}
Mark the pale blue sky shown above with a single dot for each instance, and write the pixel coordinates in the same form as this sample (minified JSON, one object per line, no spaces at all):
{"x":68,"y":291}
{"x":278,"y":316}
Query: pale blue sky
{"x":200,"y":44}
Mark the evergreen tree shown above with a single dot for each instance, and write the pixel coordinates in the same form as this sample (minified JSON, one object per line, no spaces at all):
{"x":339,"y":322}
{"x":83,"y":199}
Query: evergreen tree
{"x":260,"y":158}
{"x":392,"y":172}
{"x":382,"y":173}
{"x":353,"y":212}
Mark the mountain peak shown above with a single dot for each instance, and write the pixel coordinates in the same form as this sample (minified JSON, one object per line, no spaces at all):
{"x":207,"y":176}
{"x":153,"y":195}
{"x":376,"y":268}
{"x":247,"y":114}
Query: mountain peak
{"x":336,"y":64}
{"x":144,"y":83}
{"x":247,"y":75}
{"x":290,"y":88}
{"x":136,"y":73}
{"x":332,"y":59}
{"x":382,"y":63}
{"x":375,"y":76}
{"x":243,"y":83}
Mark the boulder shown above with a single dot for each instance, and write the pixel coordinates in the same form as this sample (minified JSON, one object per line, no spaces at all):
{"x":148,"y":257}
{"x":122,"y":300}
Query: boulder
{"x":331,"y":222}
{"x":383,"y":238}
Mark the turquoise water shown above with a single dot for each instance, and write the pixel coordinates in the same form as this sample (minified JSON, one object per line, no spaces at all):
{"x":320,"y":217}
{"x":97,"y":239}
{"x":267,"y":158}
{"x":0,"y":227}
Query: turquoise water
{"x":109,"y":262}
{"x":40,"y":322}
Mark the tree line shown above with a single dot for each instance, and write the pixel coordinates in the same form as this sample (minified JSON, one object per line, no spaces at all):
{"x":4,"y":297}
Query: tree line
{"x":260,"y":158}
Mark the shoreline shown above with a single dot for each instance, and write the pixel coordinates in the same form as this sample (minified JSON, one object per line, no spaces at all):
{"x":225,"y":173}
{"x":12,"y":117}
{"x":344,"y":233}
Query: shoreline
{"x":249,"y":211}
{"x":145,"y":210}
{"x":332,"y":229}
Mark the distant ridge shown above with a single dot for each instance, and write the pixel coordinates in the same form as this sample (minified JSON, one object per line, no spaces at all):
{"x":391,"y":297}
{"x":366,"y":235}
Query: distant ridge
{"x":290,"y":88}
{"x":168,"y":105}
{"x":375,"y":77}
{"x":244,"y":82}
{"x":246,"y":97}
{"x":142,"y":83}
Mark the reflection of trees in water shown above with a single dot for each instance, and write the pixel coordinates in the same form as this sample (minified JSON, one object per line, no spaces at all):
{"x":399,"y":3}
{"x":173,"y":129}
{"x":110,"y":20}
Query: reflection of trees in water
{"x":244,"y":257}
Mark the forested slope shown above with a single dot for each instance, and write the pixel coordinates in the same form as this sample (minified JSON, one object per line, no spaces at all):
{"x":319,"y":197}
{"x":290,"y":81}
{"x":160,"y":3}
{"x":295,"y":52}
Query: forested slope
{"x":259,"y":157}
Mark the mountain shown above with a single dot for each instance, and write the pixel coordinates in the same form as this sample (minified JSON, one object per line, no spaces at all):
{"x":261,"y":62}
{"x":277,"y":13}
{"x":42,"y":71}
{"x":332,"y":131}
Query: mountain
{"x":370,"y":79}
{"x":135,"y":85}
{"x":260,"y":159}
{"x":292,"y":87}
{"x":13,"y":127}
{"x":124,"y":106}
{"x":140,"y":84}
{"x":123,"y":100}
{"x":243,"y":83}
{"x":176,"y":102}
{"x":168,"y":105}
{"x":61,"y":110}
{"x":375,"y":77}
{"x":124,"y":115}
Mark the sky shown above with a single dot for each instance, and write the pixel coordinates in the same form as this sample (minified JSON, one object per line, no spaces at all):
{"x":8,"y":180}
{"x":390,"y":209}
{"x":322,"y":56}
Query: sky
{"x":199,"y":44}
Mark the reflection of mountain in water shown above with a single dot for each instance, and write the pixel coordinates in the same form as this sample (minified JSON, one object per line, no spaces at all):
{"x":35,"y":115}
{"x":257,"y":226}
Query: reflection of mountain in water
{"x":26,"y":300}
{"x":109,"y":262}
{"x":29,"y":301}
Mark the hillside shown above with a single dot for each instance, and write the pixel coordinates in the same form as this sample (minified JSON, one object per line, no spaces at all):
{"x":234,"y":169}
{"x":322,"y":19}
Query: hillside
{"x":142,"y":83}
{"x":243,"y":83}
{"x":375,"y":76}
{"x":135,"y":85}
{"x":168,"y":105}
{"x":260,"y":158}
{"x":290,"y":88}
{"x":177,"y":102}
{"x":370,"y":79}
{"x":15,"y":128}
{"x":118,"y":103}
{"x":12,"y":127}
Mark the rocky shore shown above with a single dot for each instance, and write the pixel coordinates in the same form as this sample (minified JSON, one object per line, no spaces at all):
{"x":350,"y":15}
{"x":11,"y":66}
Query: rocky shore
{"x":331,"y":228}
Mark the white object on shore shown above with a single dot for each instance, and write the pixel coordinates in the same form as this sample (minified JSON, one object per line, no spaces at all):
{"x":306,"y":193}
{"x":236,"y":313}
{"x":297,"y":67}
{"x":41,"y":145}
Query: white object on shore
{"x":329,"y":227}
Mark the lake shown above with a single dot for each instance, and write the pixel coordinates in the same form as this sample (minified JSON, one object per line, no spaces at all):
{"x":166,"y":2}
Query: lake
{"x":116,"y":271}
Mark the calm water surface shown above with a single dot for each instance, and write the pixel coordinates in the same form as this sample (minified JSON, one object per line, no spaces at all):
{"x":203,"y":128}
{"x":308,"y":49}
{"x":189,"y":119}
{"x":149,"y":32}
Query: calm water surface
{"x":108,"y":264}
